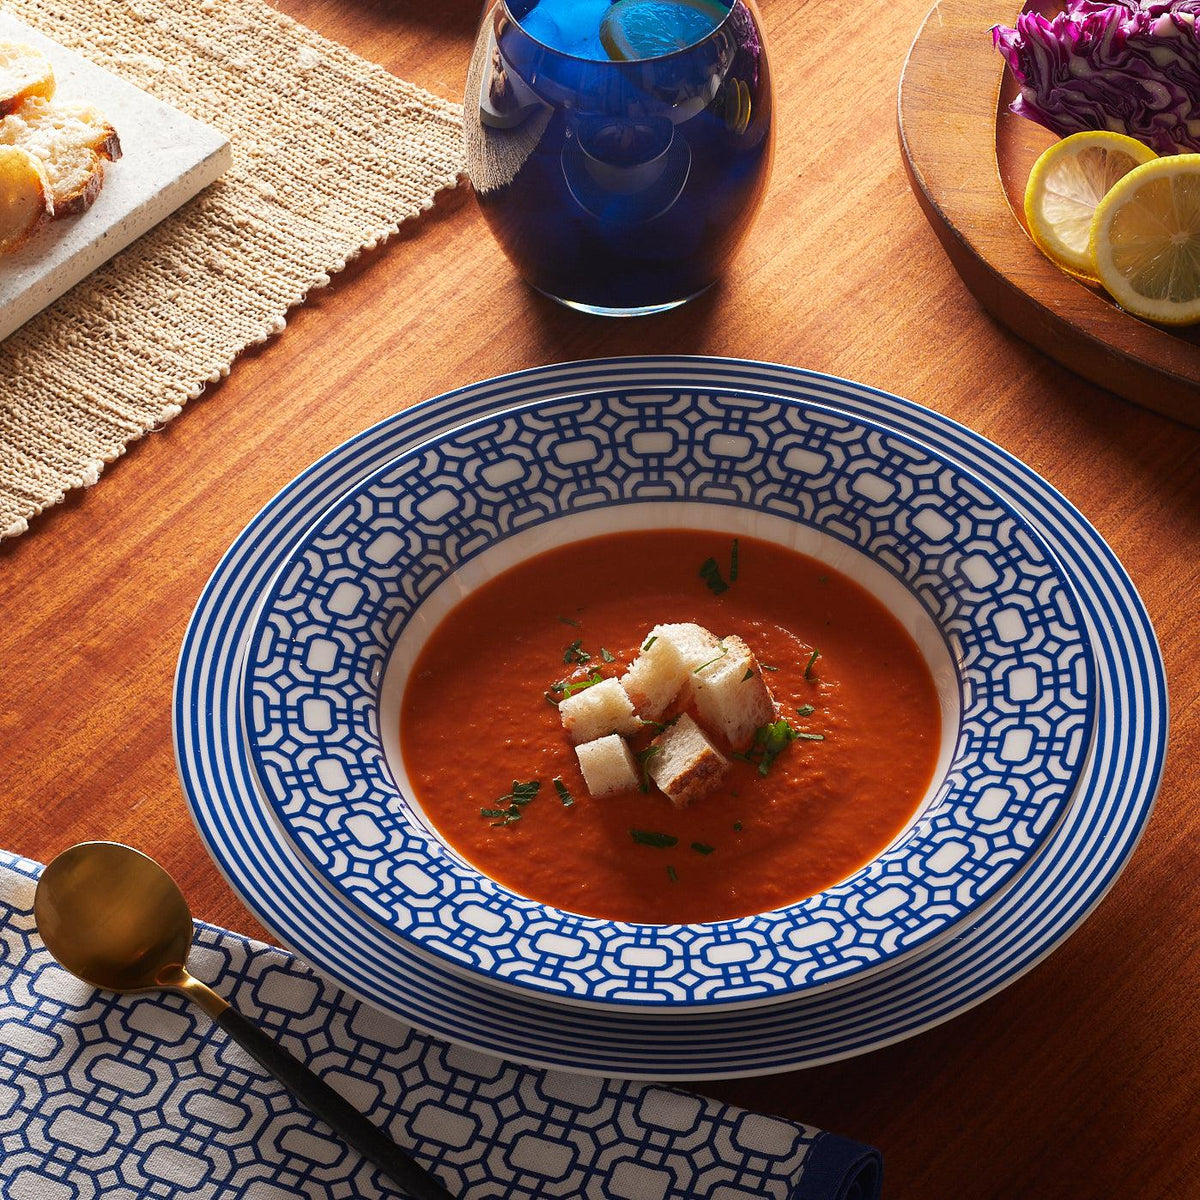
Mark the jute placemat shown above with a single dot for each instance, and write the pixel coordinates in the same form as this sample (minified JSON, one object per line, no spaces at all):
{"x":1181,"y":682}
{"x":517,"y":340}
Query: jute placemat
{"x":331,"y":154}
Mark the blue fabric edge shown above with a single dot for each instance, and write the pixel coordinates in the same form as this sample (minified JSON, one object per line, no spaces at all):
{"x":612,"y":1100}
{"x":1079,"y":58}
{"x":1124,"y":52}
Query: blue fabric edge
{"x":837,"y":1168}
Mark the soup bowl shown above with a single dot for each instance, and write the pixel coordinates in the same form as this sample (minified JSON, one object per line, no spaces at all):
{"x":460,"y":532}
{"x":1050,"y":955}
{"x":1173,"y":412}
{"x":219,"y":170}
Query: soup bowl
{"x":967,"y":576}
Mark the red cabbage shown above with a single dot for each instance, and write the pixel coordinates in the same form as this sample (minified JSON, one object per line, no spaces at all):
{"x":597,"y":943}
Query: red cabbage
{"x":1129,"y":66}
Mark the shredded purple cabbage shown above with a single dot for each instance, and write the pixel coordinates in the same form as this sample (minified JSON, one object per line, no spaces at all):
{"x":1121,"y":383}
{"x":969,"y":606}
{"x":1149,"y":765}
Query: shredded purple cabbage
{"x":1132,"y":66}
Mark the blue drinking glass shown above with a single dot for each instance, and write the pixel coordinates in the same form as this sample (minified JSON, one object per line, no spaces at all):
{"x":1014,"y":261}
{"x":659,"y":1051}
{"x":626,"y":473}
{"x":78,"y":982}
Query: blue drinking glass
{"x":618,"y":187}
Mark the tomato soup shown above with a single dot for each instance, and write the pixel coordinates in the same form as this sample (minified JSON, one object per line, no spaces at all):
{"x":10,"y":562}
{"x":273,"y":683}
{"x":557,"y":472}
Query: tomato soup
{"x":478,"y":713}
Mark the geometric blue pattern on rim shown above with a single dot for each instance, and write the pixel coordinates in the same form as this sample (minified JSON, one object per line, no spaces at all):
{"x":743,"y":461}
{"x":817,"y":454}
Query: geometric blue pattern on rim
{"x":356,"y":579}
{"x":1026,"y":922}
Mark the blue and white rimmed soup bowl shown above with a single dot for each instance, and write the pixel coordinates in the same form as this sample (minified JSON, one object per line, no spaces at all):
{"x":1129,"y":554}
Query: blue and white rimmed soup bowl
{"x":964,"y":572}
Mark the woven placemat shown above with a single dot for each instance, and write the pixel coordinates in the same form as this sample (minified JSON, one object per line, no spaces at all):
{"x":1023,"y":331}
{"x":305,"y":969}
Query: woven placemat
{"x":330,"y":155}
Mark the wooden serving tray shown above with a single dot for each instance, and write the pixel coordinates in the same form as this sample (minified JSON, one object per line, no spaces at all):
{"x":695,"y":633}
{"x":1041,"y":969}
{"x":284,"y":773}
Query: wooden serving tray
{"x":968,"y":159}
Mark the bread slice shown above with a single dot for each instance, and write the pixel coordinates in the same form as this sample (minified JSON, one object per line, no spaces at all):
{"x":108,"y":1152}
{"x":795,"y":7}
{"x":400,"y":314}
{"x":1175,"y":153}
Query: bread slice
{"x":71,"y":140}
{"x":24,"y":74}
{"x":731,"y":697}
{"x":25,"y":200}
{"x":608,"y":765}
{"x":663,"y":668}
{"x":686,"y":764}
{"x":601,"y":709}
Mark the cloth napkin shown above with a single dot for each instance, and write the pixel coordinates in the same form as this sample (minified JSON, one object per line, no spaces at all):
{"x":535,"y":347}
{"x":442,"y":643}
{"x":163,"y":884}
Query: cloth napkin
{"x":131,"y":1097}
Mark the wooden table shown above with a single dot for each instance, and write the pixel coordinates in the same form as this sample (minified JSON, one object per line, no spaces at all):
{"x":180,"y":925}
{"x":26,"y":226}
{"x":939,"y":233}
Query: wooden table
{"x":1080,"y":1080}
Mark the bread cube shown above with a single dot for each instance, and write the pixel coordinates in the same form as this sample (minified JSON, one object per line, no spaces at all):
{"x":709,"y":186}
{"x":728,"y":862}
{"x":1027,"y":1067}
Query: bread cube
{"x":731,"y":697}
{"x":608,"y":765}
{"x":687,"y":765}
{"x":663,"y":670}
{"x":598,"y":710}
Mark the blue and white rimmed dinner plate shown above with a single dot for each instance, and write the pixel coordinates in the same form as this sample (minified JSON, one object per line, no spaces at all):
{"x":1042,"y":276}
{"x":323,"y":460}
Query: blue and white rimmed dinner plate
{"x":350,"y":606}
{"x":1078,"y":865}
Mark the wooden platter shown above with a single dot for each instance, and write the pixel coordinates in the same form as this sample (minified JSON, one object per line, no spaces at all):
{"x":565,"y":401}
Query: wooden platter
{"x":968,"y":159}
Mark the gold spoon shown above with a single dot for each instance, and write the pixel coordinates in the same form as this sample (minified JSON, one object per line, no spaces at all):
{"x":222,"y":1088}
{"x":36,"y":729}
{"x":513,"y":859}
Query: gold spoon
{"x":113,"y":917}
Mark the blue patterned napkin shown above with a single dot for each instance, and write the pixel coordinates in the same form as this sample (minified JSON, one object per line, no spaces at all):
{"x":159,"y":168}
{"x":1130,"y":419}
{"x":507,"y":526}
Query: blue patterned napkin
{"x":135,"y":1097}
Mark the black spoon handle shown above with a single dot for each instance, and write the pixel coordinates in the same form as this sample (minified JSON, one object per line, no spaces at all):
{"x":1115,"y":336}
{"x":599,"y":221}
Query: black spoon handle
{"x":342,"y":1117}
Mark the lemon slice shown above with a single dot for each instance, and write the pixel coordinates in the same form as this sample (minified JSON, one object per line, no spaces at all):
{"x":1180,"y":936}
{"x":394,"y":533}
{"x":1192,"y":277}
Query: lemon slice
{"x":634,"y":29}
{"x":1067,"y":183}
{"x":1146,"y":240}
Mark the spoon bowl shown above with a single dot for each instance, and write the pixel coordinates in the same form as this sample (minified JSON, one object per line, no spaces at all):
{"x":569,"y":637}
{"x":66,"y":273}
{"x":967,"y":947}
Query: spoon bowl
{"x":113,"y":917}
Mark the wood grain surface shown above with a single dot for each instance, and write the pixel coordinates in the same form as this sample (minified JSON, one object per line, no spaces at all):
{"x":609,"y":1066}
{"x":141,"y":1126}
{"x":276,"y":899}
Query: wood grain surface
{"x":1080,"y":1080}
{"x":969,"y":159}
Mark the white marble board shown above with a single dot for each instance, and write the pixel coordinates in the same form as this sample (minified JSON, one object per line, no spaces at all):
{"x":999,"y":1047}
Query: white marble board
{"x":167,"y":158}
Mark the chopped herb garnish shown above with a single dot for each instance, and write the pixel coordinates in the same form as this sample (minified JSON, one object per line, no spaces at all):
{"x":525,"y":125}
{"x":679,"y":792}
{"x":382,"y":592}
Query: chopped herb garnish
{"x":810,"y":737}
{"x":580,"y":684}
{"x":739,"y":754}
{"x":607,"y":656}
{"x":808,"y":669}
{"x":565,"y":796}
{"x":737,"y":827}
{"x":764,"y":667}
{"x":650,"y":642}
{"x":702,"y":848}
{"x":711,"y":574}
{"x":568,"y":621}
{"x":575,"y":653}
{"x":521,"y":794}
{"x":671,"y":874}
{"x":733,"y":561}
{"x":805,"y":710}
{"x":771,"y":741}
{"x":644,"y":757}
{"x":645,"y":837}
{"x":748,"y":675}
{"x":724,"y":651}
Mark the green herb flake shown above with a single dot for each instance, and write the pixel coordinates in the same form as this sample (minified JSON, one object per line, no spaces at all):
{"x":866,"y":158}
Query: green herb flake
{"x":564,"y":795}
{"x":568,"y":621}
{"x":737,"y":827}
{"x":607,"y":656}
{"x":724,"y":651}
{"x":733,"y":561}
{"x":580,"y":685}
{"x":644,"y":757}
{"x":808,"y":669}
{"x":671,"y":875}
{"x":748,"y":675}
{"x":649,"y":642}
{"x":521,"y":795}
{"x":575,"y":653}
{"x":646,"y":837}
{"x":810,"y":737}
{"x":805,"y":710}
{"x":711,"y":574}
{"x":702,"y":848}
{"x":771,"y":740}
{"x":764,"y":667}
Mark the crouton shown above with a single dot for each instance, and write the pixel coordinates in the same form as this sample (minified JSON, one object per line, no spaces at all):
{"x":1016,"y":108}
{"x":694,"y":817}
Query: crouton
{"x":608,"y":765}
{"x":598,"y":710}
{"x":24,"y":72}
{"x":663,"y":668}
{"x":686,"y":765}
{"x":655,"y":677}
{"x":731,"y":696}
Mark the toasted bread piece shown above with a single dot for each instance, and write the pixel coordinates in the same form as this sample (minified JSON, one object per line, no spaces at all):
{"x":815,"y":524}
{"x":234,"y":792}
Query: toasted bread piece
{"x":72,"y":140}
{"x":24,"y":74}
{"x":731,"y":697}
{"x":601,"y":709}
{"x":687,"y":764}
{"x":25,"y":201}
{"x":655,"y":677}
{"x":608,"y":765}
